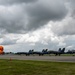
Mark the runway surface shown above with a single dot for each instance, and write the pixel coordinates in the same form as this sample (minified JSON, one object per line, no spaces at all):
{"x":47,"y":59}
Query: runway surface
{"x":40,"y":58}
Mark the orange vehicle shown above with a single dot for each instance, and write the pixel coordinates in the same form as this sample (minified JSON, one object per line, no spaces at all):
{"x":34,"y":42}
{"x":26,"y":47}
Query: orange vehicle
{"x":1,"y":50}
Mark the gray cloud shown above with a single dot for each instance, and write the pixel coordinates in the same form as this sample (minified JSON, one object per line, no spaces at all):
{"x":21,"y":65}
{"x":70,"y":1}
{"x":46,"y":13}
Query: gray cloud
{"x":21,"y":16}
{"x":72,"y":4}
{"x":11,"y":19}
{"x":42,"y":12}
{"x":25,"y":17}
{"x":9,"y":2}
{"x":69,"y":28}
{"x":8,"y":41}
{"x":67,"y":25}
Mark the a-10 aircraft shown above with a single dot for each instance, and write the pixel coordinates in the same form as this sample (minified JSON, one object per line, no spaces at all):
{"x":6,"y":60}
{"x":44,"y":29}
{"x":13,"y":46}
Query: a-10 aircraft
{"x":44,"y":51}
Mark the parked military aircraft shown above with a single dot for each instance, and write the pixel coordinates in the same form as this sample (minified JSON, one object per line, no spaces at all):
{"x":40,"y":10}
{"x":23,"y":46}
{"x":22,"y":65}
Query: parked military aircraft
{"x":22,"y":53}
{"x":59,"y":52}
{"x":25,"y":53}
{"x":44,"y":51}
{"x":32,"y":52}
{"x":71,"y":52}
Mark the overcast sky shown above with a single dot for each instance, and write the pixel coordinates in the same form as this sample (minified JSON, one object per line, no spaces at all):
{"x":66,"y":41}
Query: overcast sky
{"x":37,"y":24}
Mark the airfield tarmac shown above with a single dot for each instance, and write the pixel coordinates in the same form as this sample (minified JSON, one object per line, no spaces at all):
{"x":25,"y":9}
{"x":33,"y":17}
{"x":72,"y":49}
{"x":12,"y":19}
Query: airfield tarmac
{"x":40,"y":58}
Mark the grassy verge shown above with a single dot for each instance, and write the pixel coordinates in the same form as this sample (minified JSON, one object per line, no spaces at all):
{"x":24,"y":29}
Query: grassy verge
{"x":24,"y":67}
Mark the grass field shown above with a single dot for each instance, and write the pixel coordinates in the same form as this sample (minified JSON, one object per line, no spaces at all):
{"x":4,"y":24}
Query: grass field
{"x":24,"y":67}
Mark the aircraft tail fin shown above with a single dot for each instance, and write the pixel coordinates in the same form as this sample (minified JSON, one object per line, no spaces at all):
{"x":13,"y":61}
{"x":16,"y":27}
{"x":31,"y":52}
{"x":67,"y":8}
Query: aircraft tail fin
{"x":59,"y":50}
{"x":63,"y":50}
